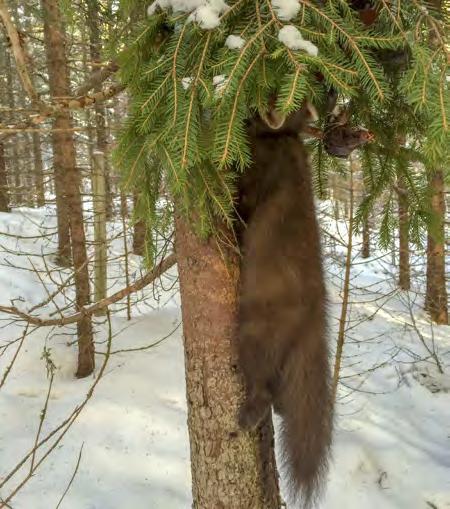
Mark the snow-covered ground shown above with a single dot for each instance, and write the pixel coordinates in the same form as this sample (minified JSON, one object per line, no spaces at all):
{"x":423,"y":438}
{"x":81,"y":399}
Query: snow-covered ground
{"x":392,"y":441}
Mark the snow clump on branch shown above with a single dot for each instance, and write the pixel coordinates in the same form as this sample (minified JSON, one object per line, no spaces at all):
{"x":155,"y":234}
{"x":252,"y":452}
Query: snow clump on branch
{"x":292,"y":38}
{"x":286,"y":9}
{"x":187,"y":82}
{"x":234,"y":42}
{"x":205,"y":12}
{"x":219,"y":83}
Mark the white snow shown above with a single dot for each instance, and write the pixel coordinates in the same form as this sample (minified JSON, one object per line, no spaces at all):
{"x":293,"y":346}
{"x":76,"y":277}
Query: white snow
{"x":175,"y":5}
{"x":234,"y":42}
{"x":204,"y":12}
{"x":391,"y":447}
{"x":206,"y":17}
{"x":290,"y":36}
{"x":187,"y":82}
{"x":286,"y":9}
{"x":219,"y":83}
{"x":218,"y":80}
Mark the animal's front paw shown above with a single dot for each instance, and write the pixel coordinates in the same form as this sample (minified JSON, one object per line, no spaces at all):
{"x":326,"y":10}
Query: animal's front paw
{"x":252,"y":413}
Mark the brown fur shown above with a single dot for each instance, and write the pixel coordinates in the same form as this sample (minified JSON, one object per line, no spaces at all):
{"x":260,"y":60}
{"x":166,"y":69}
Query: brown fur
{"x":282,"y":325}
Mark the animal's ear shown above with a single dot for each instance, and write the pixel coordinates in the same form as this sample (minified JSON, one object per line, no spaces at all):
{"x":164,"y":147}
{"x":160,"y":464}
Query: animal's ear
{"x":311,"y":114}
{"x":273,"y":118}
{"x":276,"y":120}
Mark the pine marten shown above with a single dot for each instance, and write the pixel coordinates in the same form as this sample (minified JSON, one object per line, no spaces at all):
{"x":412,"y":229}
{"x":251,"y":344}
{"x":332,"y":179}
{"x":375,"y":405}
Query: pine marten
{"x":282,"y":340}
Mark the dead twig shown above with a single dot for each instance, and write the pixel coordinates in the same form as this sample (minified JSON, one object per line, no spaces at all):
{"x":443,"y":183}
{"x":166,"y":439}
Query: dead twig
{"x":73,"y":476}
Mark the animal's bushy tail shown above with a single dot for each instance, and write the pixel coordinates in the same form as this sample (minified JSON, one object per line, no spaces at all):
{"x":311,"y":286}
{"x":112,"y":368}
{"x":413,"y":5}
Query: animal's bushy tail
{"x":305,"y":405}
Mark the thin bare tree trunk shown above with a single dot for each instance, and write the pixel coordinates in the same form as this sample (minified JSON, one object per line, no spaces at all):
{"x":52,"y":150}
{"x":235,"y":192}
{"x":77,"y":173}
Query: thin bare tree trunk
{"x":4,"y":198}
{"x":123,"y":215}
{"x":38,"y":170}
{"x":365,"y":250}
{"x":14,"y":166}
{"x":139,"y":231}
{"x":404,"y":279}
{"x":346,"y":288}
{"x":63,"y":154}
{"x":100,"y":262}
{"x":100,"y":110}
{"x":231,"y":469}
{"x":436,"y":294}
{"x":68,"y":178}
{"x":26,"y":157}
{"x":37,"y":187}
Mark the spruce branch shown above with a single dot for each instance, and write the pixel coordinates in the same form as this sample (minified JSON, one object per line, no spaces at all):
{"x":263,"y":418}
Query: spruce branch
{"x":352,"y":43}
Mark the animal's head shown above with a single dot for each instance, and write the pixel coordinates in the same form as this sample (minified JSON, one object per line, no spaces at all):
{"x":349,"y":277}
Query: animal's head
{"x":274,"y":122}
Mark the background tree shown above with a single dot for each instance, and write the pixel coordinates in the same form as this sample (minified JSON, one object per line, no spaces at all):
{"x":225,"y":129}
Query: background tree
{"x":68,"y":178}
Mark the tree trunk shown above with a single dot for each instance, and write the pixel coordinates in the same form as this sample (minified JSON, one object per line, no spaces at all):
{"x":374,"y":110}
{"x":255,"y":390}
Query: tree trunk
{"x":4,"y":198}
{"x":436,"y":294}
{"x":354,"y":166}
{"x":38,"y":171}
{"x":37,"y":187}
{"x":403,"y":227}
{"x":123,"y":216}
{"x":63,"y":158}
{"x":68,"y":179}
{"x":27,"y":158}
{"x":100,"y":110}
{"x":365,"y":250}
{"x":139,"y":230}
{"x":100,"y":263}
{"x":230,"y":469}
{"x":14,"y":166}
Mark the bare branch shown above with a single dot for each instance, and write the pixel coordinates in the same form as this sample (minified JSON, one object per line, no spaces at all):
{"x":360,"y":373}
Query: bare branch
{"x":16,"y":353}
{"x":162,"y":267}
{"x":47,"y":111}
{"x":76,"y":103}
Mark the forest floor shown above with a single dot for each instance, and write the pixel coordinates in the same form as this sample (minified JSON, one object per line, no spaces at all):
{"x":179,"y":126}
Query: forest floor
{"x":392,"y":440}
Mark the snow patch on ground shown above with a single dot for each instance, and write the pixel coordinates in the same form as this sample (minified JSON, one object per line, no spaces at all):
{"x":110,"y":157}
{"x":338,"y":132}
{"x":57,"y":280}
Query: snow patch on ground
{"x":392,"y":440}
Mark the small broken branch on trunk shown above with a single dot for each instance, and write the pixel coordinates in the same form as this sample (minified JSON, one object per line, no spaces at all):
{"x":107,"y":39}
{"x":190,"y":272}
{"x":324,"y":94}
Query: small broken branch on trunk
{"x":96,"y":78}
{"x":76,"y":103}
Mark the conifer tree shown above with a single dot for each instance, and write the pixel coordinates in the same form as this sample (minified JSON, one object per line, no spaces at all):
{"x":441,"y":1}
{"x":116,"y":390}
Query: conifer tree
{"x":195,"y":71}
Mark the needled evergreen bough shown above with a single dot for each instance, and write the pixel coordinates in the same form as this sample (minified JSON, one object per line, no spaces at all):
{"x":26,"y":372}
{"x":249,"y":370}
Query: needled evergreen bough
{"x":192,"y":87}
